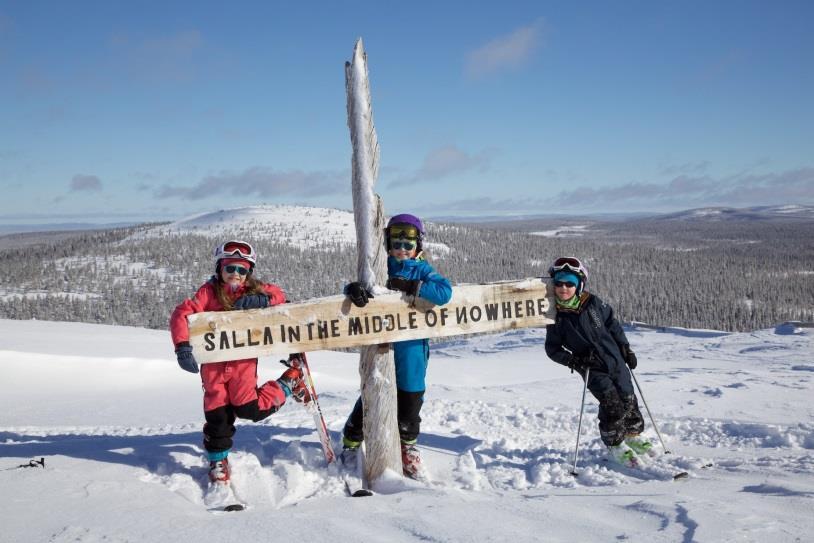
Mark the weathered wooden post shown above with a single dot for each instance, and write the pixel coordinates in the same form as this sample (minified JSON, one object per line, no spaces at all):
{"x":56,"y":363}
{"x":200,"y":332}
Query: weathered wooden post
{"x":376,"y":367}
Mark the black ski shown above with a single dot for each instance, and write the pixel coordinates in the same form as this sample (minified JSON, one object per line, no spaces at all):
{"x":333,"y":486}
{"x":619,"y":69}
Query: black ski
{"x":221,"y":497}
{"x":358,"y":493}
{"x":351,"y":473}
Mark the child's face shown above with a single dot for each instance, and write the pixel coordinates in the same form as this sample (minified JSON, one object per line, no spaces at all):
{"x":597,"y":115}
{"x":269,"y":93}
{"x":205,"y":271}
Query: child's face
{"x":403,"y":249}
{"x":564,"y":290}
{"x":232,"y":276}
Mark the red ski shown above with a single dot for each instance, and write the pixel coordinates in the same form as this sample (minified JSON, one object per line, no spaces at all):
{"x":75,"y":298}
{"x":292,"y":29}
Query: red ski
{"x":299,"y":360}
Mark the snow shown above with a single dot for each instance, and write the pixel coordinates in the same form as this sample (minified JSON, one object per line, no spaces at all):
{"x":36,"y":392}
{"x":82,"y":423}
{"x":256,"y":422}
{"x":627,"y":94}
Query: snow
{"x":562,"y":231}
{"x":298,"y":226}
{"x":118,"y":424}
{"x":295,"y":225}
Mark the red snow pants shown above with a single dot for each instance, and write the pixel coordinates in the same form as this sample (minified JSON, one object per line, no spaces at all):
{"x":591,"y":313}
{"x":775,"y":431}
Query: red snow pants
{"x":230,"y":392}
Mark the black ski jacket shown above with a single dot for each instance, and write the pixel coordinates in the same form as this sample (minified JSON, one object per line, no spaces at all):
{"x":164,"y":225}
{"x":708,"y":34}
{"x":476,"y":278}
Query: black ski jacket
{"x":591,"y":328}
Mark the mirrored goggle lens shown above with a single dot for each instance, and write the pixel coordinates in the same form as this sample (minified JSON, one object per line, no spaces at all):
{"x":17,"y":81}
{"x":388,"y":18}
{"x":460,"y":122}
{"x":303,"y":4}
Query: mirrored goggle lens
{"x":567,"y":261}
{"x":231,"y":268}
{"x":568,"y":284}
{"x":404,"y":231}
{"x":407,"y":245}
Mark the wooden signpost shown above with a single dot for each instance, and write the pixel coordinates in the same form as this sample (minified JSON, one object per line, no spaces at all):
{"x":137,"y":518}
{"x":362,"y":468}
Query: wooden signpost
{"x":333,"y":322}
{"x":377,"y":369}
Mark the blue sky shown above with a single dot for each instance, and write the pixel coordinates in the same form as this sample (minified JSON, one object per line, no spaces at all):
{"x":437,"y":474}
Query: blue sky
{"x":122,"y":111}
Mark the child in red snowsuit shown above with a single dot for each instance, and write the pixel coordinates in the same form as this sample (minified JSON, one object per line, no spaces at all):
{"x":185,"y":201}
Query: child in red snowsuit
{"x":230,"y":388}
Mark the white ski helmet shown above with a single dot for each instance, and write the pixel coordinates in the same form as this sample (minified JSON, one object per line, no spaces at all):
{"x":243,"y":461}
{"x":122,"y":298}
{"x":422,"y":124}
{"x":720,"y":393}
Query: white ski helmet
{"x":571,"y":264}
{"x":236,"y":249}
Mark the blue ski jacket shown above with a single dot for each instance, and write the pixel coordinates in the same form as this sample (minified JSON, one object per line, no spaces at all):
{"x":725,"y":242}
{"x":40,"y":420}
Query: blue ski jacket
{"x":412,"y":356}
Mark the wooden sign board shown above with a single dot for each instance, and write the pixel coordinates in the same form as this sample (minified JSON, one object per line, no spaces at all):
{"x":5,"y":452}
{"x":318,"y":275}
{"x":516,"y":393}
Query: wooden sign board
{"x":334,"y":322}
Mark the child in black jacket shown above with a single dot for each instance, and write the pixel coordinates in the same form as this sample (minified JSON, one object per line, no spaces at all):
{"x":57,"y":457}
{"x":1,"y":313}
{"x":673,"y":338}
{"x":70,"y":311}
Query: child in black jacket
{"x":586,"y":336}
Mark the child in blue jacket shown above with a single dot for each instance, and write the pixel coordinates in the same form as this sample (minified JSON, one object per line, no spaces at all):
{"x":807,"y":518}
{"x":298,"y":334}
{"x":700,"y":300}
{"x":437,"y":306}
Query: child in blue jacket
{"x":408,"y":272}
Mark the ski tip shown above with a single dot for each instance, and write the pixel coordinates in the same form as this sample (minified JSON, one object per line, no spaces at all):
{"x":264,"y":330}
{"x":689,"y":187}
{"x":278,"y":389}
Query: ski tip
{"x":234,"y":507}
{"x":680,"y":476}
{"x":361,"y":493}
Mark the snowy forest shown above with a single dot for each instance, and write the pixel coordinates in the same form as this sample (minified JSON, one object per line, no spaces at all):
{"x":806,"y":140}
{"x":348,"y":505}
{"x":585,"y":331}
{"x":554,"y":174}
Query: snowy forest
{"x":733,"y":276}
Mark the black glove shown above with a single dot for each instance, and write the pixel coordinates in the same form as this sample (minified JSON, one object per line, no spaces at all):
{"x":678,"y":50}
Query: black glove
{"x":358,"y":294}
{"x":408,"y":286}
{"x":630,"y":357}
{"x":183,"y":352}
{"x":252,"y":301}
{"x":584,"y":362}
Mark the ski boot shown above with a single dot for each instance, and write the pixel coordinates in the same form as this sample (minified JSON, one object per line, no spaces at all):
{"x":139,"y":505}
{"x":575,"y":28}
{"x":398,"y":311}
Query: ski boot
{"x":411,"y":462}
{"x":350,"y":454}
{"x":624,"y":455}
{"x":219,"y":471}
{"x":641,"y":446}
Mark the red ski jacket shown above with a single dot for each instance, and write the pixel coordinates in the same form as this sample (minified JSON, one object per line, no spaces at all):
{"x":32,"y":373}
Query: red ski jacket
{"x":205,"y":300}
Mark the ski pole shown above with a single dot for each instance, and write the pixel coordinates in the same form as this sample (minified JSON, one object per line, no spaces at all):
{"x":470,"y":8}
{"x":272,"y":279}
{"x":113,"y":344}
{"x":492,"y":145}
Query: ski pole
{"x":579,"y":426}
{"x":649,"y":414}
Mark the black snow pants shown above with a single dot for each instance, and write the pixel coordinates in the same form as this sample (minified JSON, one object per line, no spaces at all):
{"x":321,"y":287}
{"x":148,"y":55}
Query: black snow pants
{"x":409,"y":421}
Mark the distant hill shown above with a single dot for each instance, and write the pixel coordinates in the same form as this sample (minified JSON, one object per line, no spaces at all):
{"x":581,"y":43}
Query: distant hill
{"x":8,"y":229}
{"x":136,"y":275}
{"x":287,"y":224}
{"x":760,"y":213}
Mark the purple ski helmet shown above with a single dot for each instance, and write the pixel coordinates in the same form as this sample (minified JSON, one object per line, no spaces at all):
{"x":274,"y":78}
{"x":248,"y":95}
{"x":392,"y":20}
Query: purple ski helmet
{"x":412,"y":229}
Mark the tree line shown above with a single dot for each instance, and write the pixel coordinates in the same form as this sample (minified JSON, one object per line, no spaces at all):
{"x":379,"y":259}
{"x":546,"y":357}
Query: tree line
{"x":725,"y":276}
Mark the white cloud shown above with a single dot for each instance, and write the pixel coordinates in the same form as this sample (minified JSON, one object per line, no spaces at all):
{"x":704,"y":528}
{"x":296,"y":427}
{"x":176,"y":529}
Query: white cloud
{"x":263,"y":182}
{"x":685,"y":191}
{"x":505,"y":52}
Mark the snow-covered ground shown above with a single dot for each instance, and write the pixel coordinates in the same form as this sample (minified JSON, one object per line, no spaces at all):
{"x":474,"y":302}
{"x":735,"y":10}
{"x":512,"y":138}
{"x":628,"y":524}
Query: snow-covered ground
{"x":118,"y":424}
{"x":296,"y":225}
{"x":562,"y":231}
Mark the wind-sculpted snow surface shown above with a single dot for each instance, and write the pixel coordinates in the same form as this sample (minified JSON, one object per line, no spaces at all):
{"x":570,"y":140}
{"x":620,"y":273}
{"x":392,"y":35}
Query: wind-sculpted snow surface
{"x":119,"y":427}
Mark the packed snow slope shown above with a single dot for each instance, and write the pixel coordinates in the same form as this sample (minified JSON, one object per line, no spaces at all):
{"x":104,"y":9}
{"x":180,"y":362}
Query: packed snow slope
{"x":119,"y":424}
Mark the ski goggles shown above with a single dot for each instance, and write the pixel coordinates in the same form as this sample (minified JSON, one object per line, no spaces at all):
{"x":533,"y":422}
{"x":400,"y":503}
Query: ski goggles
{"x":568,"y":264}
{"x":568,"y":261}
{"x":234,"y":268}
{"x":404,"y":231}
{"x":239,"y":249}
{"x":406,"y":244}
